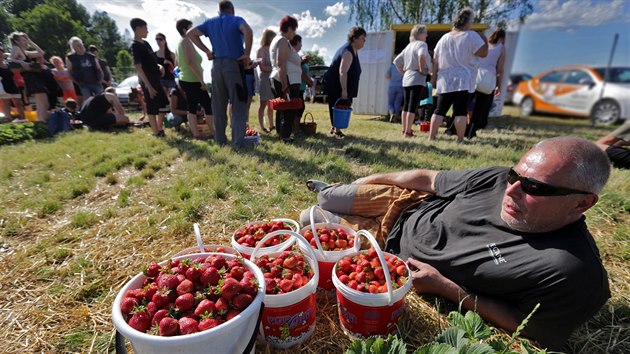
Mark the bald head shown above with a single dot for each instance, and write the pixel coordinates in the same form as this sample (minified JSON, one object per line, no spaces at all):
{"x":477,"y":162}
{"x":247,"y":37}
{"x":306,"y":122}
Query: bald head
{"x":584,"y":164}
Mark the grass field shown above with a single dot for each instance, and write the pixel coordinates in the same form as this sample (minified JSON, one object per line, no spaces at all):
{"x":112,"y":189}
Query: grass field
{"x":83,"y":212}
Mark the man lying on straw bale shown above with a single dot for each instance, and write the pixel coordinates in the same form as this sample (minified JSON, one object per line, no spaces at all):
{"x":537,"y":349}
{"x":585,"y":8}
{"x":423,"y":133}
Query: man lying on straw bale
{"x":499,"y":240}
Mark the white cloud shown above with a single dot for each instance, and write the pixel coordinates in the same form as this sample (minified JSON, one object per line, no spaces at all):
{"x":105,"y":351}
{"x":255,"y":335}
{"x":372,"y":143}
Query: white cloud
{"x":323,"y":52}
{"x":310,"y":27}
{"x":573,"y":14}
{"x":338,"y":9}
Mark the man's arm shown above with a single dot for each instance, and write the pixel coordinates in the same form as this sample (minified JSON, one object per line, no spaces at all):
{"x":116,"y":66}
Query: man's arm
{"x":195,"y":36}
{"x":428,"y":280}
{"x":249,"y":37}
{"x":420,"y":180}
{"x":143,"y":78}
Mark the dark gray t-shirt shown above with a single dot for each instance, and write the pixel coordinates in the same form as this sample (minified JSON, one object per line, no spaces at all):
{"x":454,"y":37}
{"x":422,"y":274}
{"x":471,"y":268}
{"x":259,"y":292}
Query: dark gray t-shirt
{"x":460,"y":232}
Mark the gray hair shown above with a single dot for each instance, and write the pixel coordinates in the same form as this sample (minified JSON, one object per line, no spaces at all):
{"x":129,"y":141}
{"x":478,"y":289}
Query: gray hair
{"x":415,"y":31}
{"x":590,"y":165}
{"x":72,"y":41}
{"x":463,"y":18}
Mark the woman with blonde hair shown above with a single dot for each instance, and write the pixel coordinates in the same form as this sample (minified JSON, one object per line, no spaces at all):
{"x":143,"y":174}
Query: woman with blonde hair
{"x":62,"y":76}
{"x":263,"y":57}
{"x":35,"y":82}
{"x":414,"y":62}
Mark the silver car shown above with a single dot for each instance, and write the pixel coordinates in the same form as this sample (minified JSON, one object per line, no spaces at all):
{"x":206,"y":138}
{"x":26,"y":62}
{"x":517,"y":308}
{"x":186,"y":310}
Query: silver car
{"x":124,"y":89}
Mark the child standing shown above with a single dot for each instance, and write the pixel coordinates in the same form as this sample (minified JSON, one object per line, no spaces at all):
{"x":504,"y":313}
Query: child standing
{"x":149,"y":76}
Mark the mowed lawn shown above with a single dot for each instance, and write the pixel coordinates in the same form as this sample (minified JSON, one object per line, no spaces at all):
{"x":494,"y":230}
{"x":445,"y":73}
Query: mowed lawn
{"x":82,"y":213}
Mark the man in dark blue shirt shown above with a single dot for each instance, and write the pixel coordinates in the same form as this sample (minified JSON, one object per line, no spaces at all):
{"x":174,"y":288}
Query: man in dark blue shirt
{"x":227,"y":34}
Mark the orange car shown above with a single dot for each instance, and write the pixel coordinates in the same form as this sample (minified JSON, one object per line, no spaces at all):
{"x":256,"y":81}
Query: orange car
{"x":578,"y":91}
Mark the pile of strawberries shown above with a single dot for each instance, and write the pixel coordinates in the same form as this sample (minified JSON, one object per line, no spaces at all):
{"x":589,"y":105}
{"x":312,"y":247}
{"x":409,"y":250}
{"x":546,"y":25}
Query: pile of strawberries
{"x":249,"y":235}
{"x":250,"y":132}
{"x":188,"y":296}
{"x":364,"y":272}
{"x":331,"y":240}
{"x":285,"y":273}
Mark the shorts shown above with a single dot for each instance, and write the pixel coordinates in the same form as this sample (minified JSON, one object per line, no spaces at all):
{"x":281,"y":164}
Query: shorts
{"x":250,"y":81}
{"x":195,"y":96}
{"x":458,"y":99}
{"x":169,"y":84}
{"x":413,"y":95}
{"x":157,"y":104}
{"x":103,"y":121}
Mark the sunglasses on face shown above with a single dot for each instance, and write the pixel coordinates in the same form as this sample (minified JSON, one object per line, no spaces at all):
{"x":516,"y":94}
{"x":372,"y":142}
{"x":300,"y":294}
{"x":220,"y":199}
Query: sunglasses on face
{"x":536,"y":188}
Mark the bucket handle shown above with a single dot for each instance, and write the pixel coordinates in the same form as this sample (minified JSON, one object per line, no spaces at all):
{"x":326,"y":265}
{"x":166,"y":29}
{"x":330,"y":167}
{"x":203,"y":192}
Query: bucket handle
{"x":337,"y":101}
{"x":320,"y":249}
{"x":295,"y":236}
{"x":199,"y":240}
{"x":308,"y":114}
{"x":381,"y":257}
{"x":296,"y":226}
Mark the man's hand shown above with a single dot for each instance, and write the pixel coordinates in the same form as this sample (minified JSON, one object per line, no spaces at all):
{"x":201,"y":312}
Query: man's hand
{"x":426,"y":279}
{"x":210,"y":55}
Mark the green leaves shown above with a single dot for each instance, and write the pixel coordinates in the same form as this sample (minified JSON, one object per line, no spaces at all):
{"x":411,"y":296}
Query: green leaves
{"x":378,"y":345}
{"x":471,"y":323}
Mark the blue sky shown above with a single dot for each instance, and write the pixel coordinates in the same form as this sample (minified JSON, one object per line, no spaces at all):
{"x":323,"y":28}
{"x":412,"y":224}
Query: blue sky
{"x":559,"y":32}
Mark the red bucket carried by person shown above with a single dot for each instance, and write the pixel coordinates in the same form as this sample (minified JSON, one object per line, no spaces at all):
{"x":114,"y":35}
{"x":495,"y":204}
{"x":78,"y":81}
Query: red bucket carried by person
{"x":371,"y":288}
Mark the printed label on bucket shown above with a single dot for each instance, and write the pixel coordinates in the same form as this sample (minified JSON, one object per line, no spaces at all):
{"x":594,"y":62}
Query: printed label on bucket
{"x":286,"y":326}
{"x":365,"y":321}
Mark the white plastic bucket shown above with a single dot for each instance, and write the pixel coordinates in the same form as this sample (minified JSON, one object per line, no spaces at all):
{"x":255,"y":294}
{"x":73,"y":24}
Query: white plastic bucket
{"x":289,"y":319}
{"x":327,"y":259}
{"x":212,"y":248}
{"x":363,"y":314}
{"x":246,"y":251}
{"x":231,"y":337}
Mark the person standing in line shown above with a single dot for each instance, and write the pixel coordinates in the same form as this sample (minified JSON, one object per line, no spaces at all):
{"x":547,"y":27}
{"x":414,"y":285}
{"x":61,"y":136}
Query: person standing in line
{"x":12,"y":93}
{"x":492,"y":64}
{"x":306,"y":81}
{"x":395,"y":92}
{"x":106,"y":81}
{"x":341,"y":81}
{"x":286,"y":75}
{"x":149,"y":76}
{"x":84,"y":69}
{"x":33,"y":78}
{"x":416,"y":64}
{"x":191,"y":80}
{"x":168,"y":60}
{"x":227,"y":34}
{"x":62,"y":75}
{"x":454,"y":71}
{"x":263,"y":57}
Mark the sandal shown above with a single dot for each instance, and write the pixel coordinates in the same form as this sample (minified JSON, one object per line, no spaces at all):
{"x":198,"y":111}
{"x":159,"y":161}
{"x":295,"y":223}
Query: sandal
{"x":315,"y":185}
{"x":339,"y":134}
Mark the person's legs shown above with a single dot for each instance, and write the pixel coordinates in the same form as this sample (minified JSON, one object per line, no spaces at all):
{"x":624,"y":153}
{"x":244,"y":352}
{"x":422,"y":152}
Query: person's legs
{"x":481,"y":109}
{"x":620,"y":157}
{"x":460,"y":108}
{"x":444,"y":102}
{"x":234,"y":79}
{"x":41,"y":103}
{"x":6,"y":107}
{"x":261,"y":116}
{"x":19,"y":106}
{"x":219,"y":101}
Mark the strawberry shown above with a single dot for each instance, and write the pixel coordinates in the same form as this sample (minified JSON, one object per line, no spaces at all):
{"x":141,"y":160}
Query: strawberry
{"x":222,"y":306}
{"x":168,"y":326}
{"x":188,"y":325}
{"x":127,"y":305}
{"x":231,"y":314}
{"x":237,"y":272}
{"x":210,"y":276}
{"x":185,"y":287}
{"x":241,"y":301}
{"x":151,"y":309}
{"x":135,"y":293}
{"x":249,"y":288}
{"x":290,"y":262}
{"x":209,"y":323}
{"x":159,"y":315}
{"x":270,"y":284}
{"x":140,"y":321}
{"x":153,"y":270}
{"x":167,"y":280}
{"x":286,"y":285}
{"x":193,"y":273}
{"x":185,"y":302}
{"x":216,"y":261}
{"x":161,"y":298}
{"x":149,"y":290}
{"x":205,"y":307}
{"x":230,"y":288}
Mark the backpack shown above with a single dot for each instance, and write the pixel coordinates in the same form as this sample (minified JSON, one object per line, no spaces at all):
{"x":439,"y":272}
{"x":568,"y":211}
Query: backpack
{"x":59,"y":121}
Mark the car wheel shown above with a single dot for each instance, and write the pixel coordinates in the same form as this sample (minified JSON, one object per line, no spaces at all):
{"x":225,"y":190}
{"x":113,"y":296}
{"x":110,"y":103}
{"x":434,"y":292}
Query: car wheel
{"x":527,"y":107}
{"x":606,"y":112}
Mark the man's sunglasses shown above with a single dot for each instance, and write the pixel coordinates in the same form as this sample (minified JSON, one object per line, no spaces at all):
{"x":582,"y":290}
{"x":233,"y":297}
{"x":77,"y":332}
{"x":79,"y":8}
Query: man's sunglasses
{"x":537,"y":188}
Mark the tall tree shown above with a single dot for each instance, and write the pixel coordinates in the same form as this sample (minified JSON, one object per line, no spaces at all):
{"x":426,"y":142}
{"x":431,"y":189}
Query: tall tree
{"x":124,"y":65}
{"x":315,"y":58}
{"x":380,"y":14}
{"x":16,"y":7}
{"x":5,"y":22}
{"x":50,"y":27}
{"x":108,"y":39}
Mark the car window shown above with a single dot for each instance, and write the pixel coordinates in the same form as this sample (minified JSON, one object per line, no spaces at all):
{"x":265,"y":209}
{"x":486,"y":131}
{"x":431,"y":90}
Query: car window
{"x":578,"y":77}
{"x":554,"y":76}
{"x":617,"y":75}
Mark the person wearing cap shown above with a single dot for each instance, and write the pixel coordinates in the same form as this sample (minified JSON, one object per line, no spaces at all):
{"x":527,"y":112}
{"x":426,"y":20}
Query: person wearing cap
{"x":497,"y":240}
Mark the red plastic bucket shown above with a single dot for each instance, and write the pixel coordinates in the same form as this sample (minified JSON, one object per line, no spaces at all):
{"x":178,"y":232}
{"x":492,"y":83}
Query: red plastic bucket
{"x":289,"y":319}
{"x":326,"y":260}
{"x":425,"y":126}
{"x":246,"y":251}
{"x":363,"y":314}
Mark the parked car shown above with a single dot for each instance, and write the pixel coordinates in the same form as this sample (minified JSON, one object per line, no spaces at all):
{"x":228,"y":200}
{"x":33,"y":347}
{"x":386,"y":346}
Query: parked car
{"x":317,"y":73}
{"x":512,"y":83}
{"x":578,"y":90}
{"x":124,"y":88}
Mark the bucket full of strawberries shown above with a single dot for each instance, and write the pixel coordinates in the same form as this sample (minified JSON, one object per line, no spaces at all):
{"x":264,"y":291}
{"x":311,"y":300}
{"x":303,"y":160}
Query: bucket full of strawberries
{"x":247,"y":237}
{"x":290,"y":301}
{"x":371,"y":288}
{"x":332,"y":242}
{"x":191,"y":303}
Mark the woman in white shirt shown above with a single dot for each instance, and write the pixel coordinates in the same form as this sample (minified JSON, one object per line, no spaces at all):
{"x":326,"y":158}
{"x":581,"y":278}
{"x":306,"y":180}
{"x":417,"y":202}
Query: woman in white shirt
{"x":286,"y":75}
{"x":455,"y":71}
{"x":492,"y":65}
{"x":414,"y":62}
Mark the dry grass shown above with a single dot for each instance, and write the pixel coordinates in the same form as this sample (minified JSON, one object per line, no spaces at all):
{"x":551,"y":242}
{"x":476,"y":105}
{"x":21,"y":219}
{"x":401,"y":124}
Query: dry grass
{"x":62,"y":268}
